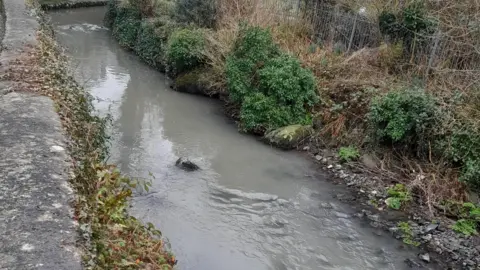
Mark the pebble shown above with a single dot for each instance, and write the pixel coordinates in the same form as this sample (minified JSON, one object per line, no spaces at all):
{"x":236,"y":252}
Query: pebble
{"x":393,"y":229}
{"x":306,"y":148}
{"x":318,"y":157}
{"x":425,"y":257}
{"x":330,"y":166}
{"x":56,"y":149}
{"x":341,"y":215}
{"x":375,"y":218}
{"x":427,"y":237}
{"x":324,"y":160}
{"x":469,"y":262}
{"x":338,"y":167}
{"x":411,"y":263}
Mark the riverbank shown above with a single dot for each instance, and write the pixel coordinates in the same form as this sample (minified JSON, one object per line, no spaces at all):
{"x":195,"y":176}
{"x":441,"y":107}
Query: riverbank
{"x":62,"y":4}
{"x":64,"y":186}
{"x":150,"y":38}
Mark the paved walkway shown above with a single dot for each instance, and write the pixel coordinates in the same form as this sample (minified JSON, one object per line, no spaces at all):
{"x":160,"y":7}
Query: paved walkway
{"x":36,"y":226}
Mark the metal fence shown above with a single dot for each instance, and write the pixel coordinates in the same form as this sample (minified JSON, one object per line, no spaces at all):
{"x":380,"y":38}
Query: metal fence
{"x":348,"y":31}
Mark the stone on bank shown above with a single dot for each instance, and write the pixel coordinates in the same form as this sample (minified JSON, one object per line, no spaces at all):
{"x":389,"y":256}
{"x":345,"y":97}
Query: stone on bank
{"x":288,"y":137}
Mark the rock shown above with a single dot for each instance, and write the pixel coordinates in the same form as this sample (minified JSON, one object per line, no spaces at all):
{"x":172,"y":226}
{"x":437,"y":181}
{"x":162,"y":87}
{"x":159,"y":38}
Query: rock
{"x":318,"y":157}
{"x":306,"y":148}
{"x":330,"y":166}
{"x":186,"y":164}
{"x":431,"y":227}
{"x":288,"y":137}
{"x":427,"y":237}
{"x":375,"y":218}
{"x":411,"y":263}
{"x":424,"y":257}
{"x":369,"y":161}
{"x":324,"y":160}
{"x":393,"y":229}
{"x":317,"y":122}
{"x":341,"y":215}
{"x":190,"y":83}
{"x":56,"y":149}
{"x":338,"y":167}
{"x":469,"y":262}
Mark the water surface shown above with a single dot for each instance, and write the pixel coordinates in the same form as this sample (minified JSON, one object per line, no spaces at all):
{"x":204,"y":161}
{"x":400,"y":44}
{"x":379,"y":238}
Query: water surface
{"x":250,"y":206}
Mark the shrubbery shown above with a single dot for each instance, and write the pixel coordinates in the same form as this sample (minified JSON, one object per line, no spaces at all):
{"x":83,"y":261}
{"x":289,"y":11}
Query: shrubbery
{"x":403,"y":116}
{"x":152,"y":41}
{"x":126,"y":26}
{"x":150,"y":46}
{"x":462,"y":146}
{"x":272,"y":88}
{"x":111,"y":13}
{"x":185,"y":49}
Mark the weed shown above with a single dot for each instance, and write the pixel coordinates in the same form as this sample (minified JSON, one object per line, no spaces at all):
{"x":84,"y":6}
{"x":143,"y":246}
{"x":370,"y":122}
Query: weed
{"x":348,"y":154}
{"x":398,"y":195}
{"x":407,"y":234}
{"x":466,"y":227}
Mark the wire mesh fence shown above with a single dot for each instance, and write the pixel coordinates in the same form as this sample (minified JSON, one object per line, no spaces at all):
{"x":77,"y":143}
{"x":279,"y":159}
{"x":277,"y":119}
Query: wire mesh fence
{"x":347,"y":30}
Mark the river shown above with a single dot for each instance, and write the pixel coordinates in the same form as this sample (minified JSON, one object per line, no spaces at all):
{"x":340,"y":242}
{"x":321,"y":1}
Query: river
{"x":250,"y":206}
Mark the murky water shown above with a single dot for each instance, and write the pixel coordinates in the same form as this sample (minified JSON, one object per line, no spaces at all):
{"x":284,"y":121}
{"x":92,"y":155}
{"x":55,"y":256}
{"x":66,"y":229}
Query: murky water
{"x":249,"y":207}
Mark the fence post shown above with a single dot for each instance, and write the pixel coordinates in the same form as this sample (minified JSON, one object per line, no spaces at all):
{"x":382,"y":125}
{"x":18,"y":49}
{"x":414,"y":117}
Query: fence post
{"x":353,"y":33}
{"x":433,"y":52}
{"x":333,"y":24}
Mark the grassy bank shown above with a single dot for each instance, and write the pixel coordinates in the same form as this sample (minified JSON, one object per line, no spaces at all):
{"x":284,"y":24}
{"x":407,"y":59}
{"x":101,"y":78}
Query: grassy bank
{"x":111,"y":238}
{"x":419,"y":131}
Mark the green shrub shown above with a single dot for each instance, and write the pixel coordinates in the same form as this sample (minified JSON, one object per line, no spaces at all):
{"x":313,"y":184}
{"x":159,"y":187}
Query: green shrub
{"x":253,"y":47}
{"x":185,"y":49}
{"x":284,"y":78}
{"x":150,"y":45}
{"x":403,"y":116}
{"x":200,"y":12}
{"x":126,"y":26}
{"x":462,"y":146}
{"x":272,"y":88}
{"x":348,"y":154}
{"x":259,"y":113}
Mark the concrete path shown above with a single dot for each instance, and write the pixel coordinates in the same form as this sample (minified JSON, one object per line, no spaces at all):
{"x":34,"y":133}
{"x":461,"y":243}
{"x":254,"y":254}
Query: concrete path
{"x":36,"y":226}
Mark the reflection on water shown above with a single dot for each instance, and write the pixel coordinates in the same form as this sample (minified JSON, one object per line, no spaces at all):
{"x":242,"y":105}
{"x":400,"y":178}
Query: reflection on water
{"x":249,"y":207}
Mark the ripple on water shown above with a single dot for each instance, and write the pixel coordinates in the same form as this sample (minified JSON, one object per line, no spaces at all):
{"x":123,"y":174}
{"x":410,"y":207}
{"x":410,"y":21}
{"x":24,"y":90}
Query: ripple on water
{"x":82,"y":27}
